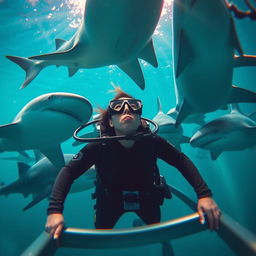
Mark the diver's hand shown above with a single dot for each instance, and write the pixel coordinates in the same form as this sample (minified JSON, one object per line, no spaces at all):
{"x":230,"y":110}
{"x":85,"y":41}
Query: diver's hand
{"x":54,"y":224}
{"x":208,"y":206}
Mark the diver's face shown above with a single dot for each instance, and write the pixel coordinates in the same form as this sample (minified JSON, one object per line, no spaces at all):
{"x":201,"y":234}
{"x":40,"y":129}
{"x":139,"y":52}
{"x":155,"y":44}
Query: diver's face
{"x":125,"y":122}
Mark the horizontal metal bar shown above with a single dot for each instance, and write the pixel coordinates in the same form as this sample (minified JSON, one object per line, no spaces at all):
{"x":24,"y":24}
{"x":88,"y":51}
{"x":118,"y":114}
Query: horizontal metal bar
{"x":238,"y":238}
{"x":123,"y":238}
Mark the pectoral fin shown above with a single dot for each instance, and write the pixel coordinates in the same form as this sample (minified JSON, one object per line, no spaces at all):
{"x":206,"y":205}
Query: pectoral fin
{"x":214,"y":154}
{"x":55,"y":155}
{"x":148,"y":54}
{"x":133,"y":70}
{"x":9,"y":130}
{"x":39,"y":197}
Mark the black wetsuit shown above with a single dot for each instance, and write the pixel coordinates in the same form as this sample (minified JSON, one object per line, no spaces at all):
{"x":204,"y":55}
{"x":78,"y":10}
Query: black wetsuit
{"x":120,"y":169}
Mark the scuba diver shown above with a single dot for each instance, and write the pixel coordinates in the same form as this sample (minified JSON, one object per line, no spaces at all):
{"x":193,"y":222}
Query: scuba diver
{"x":127,"y":171}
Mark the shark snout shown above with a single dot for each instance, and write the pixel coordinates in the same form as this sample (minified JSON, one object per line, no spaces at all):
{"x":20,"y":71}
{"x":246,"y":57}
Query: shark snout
{"x":197,"y":140}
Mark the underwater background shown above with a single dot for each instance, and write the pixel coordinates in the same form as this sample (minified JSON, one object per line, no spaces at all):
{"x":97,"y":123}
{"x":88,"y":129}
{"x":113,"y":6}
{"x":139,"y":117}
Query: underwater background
{"x":30,"y":28}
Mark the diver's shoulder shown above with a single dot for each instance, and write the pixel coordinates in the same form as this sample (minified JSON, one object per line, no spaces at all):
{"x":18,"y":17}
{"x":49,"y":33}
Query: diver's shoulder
{"x":92,"y":146}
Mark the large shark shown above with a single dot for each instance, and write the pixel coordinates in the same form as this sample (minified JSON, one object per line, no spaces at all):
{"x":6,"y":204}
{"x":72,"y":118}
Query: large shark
{"x":167,"y":127}
{"x":112,"y":32}
{"x":44,"y":123}
{"x":38,"y":180}
{"x":204,"y":45}
{"x":96,"y":132}
{"x":230,"y":132}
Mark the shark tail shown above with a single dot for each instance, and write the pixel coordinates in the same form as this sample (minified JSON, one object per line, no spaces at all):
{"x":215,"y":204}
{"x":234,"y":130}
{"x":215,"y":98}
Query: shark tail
{"x":31,"y":67}
{"x":4,"y":189}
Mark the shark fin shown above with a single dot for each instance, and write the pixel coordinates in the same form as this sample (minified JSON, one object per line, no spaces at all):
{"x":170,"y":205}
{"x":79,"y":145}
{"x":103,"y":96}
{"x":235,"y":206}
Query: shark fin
{"x":253,"y":116}
{"x":235,"y":108}
{"x":184,"y":111}
{"x":39,"y":197}
{"x":214,"y":154}
{"x":148,"y":54}
{"x":233,"y":37}
{"x":59,"y":42}
{"x":23,"y":168}
{"x":133,"y":70}
{"x":38,"y":155}
{"x":23,"y":153}
{"x":241,"y":95}
{"x":159,"y":105}
{"x":186,"y":54}
{"x":173,"y":112}
{"x":72,"y":71}
{"x":185,"y":139}
{"x":244,"y":61}
{"x":55,"y":155}
{"x":8,"y":130}
{"x":31,"y":67}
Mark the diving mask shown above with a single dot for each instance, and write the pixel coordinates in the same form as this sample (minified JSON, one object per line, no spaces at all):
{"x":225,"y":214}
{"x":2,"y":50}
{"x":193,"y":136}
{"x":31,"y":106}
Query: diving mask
{"x":117,"y":106}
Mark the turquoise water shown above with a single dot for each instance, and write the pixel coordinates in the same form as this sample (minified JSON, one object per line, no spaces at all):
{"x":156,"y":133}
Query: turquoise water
{"x":30,"y":28}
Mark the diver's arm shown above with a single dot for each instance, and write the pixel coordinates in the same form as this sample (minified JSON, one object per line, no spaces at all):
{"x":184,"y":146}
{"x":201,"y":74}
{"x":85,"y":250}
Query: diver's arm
{"x":54,"y":224}
{"x":174,"y":157}
{"x":206,"y":205}
{"x":76,"y":167}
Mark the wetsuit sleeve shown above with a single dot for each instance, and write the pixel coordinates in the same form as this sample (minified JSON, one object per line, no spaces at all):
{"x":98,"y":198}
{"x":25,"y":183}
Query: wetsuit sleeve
{"x":174,"y":157}
{"x":75,"y":168}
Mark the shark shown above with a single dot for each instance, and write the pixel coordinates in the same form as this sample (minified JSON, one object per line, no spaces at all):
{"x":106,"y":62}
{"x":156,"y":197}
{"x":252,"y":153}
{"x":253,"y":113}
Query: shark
{"x":44,"y":123}
{"x":113,"y":32}
{"x":37,"y":180}
{"x":231,"y":132}
{"x":96,"y":132}
{"x":203,"y":48}
{"x":167,"y":128}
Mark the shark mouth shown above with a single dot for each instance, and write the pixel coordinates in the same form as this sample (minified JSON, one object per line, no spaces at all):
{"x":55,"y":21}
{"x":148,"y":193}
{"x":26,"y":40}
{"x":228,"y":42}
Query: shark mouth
{"x":66,"y":113}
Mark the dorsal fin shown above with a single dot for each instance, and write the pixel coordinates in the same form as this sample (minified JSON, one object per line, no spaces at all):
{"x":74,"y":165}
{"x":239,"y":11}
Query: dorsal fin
{"x":159,"y":105}
{"x":22,"y":169}
{"x":38,"y":155}
{"x":235,"y":108}
{"x":59,"y":42}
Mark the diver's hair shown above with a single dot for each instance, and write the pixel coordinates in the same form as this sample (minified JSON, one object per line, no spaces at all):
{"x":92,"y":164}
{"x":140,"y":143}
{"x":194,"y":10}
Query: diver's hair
{"x":105,"y":116}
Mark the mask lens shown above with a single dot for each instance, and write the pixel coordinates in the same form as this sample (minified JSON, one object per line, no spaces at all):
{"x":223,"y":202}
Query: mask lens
{"x":116,"y":105}
{"x":133,"y":104}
